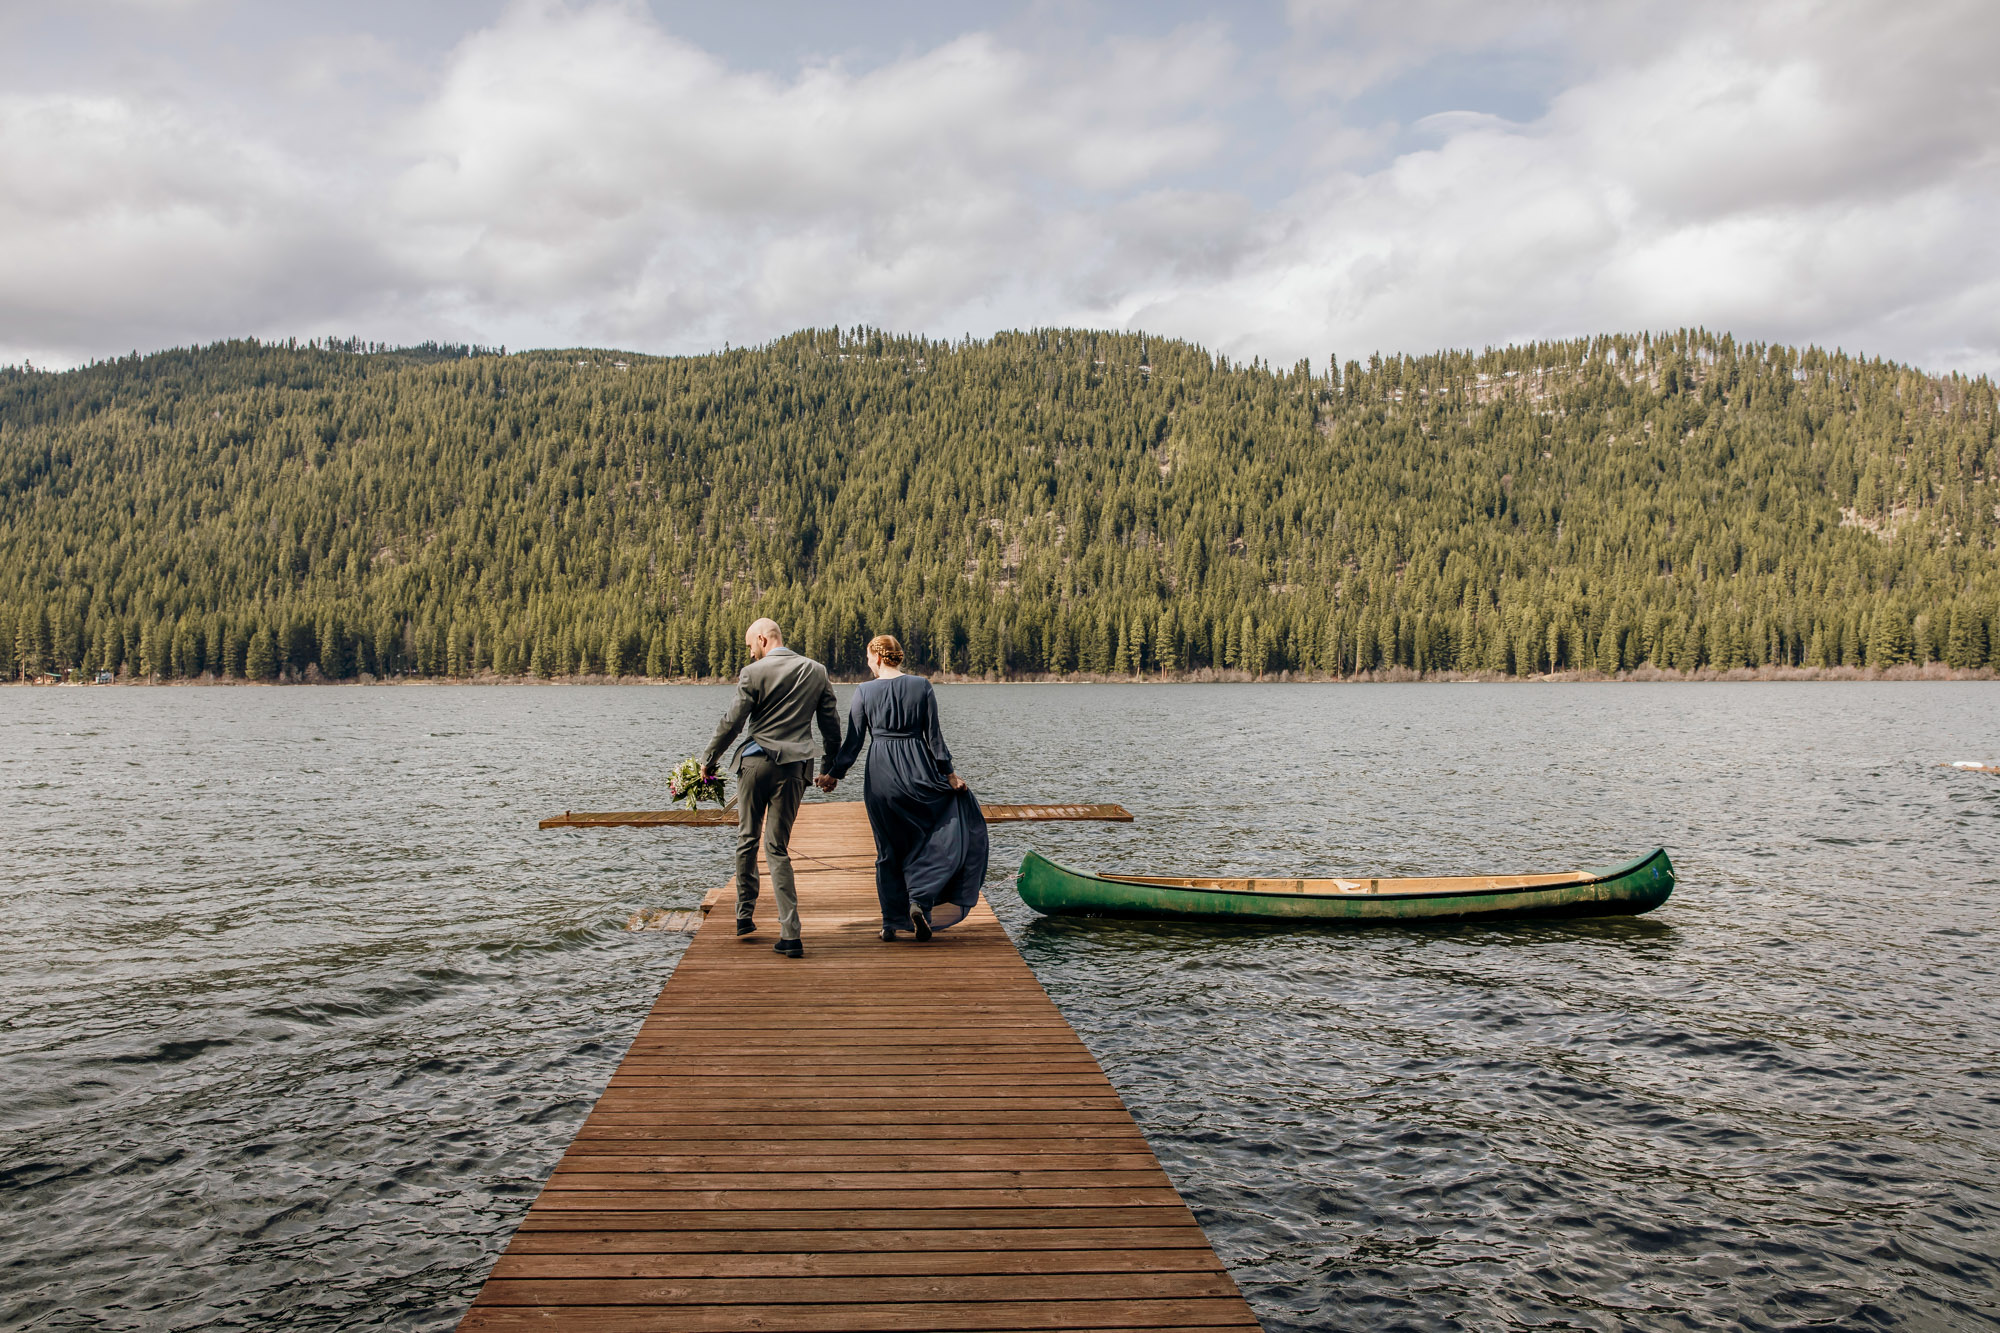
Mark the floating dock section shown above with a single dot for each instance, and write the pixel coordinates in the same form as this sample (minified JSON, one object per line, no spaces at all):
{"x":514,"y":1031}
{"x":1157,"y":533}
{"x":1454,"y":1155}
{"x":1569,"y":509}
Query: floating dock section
{"x":876,"y":1136}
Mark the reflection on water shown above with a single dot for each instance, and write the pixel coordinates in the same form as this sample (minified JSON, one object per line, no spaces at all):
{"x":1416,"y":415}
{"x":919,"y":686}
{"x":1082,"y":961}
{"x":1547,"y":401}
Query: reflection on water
{"x":301,"y":1007}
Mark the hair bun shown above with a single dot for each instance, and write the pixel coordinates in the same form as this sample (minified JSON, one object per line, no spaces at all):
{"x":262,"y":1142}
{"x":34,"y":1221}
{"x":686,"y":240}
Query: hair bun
{"x":885,"y":647}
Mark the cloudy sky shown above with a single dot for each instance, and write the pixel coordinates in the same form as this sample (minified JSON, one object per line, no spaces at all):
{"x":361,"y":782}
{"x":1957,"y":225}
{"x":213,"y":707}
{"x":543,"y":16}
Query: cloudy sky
{"x":1284,"y":180}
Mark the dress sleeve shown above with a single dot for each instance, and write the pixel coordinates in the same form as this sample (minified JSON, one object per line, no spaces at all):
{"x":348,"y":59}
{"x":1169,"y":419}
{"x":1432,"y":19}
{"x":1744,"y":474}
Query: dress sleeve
{"x":934,"y":733}
{"x":857,"y":731}
{"x":828,"y":715}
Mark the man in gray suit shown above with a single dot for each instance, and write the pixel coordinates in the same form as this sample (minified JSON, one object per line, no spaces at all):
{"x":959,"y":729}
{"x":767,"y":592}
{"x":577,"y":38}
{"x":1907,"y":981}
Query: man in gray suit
{"x":781,"y":694}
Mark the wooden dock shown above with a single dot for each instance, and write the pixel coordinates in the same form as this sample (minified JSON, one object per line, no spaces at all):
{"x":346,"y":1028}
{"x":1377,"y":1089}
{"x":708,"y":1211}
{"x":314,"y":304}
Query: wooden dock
{"x":876,"y":1136}
{"x":995,"y":814}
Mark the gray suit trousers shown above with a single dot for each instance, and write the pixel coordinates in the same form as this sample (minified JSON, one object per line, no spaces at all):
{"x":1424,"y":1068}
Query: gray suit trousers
{"x":767,"y":801}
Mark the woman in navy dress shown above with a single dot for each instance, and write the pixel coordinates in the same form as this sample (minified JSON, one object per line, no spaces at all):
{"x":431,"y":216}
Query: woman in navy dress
{"x":930,"y":839}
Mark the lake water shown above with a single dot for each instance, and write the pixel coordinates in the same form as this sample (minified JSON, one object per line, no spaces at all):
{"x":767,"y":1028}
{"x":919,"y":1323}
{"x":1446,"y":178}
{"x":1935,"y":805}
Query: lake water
{"x":299,"y":1007}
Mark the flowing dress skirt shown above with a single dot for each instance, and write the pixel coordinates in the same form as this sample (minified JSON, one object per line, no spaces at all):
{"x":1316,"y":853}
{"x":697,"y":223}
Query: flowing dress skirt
{"x":930,"y":841}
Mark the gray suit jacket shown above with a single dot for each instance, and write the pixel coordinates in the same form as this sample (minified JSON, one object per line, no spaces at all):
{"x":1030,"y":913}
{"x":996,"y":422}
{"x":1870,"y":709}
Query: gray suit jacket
{"x":781,"y":695}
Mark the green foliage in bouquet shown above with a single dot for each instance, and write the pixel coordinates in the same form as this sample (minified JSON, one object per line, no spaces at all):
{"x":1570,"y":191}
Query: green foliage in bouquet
{"x":687,"y":786}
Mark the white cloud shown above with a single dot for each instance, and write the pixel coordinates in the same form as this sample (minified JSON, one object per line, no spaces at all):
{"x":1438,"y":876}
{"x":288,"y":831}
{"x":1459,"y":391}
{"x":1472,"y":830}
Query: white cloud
{"x":575,"y":173}
{"x":128,"y":225}
{"x":588,"y":160}
{"x":1820,"y":174}
{"x":1347,"y":47}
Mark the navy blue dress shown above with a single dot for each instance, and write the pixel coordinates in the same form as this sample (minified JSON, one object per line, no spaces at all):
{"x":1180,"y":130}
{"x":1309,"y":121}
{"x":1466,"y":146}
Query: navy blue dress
{"x":930,"y":841}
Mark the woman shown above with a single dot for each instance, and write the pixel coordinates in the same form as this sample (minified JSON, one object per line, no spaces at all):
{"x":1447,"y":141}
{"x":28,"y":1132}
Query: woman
{"x":930,"y":839}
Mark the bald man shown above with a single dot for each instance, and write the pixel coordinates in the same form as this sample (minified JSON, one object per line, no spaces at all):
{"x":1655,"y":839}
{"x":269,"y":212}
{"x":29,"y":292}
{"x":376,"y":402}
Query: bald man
{"x":780,"y":694}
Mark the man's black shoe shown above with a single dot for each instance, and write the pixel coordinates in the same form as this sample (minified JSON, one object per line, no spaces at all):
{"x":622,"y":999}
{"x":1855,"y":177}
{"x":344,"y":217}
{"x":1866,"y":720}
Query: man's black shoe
{"x":921,"y":920}
{"x":886,"y":935}
{"x":790,"y":948}
{"x":744,"y":925}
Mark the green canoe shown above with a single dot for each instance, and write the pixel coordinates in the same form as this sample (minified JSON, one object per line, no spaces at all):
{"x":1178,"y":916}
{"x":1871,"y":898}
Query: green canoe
{"x":1625,"y":890}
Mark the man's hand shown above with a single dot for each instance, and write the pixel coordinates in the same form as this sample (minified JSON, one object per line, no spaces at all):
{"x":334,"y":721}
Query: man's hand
{"x":825,"y":783}
{"x":708,"y":773}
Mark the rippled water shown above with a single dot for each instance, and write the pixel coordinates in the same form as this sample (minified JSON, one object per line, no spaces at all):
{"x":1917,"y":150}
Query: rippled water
{"x":300,"y":1007}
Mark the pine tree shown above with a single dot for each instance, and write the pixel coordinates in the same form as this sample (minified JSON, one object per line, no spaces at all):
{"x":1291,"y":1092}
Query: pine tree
{"x":1889,"y":638}
{"x":330,"y":650}
{"x":1965,"y":639}
{"x":261,"y":660}
{"x":1607,"y":651}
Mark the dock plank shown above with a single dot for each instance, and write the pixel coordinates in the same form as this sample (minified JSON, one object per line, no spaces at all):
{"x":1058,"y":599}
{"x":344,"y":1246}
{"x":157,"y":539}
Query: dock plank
{"x":870,"y":1262}
{"x":1137,"y":1316}
{"x":791,"y":1144}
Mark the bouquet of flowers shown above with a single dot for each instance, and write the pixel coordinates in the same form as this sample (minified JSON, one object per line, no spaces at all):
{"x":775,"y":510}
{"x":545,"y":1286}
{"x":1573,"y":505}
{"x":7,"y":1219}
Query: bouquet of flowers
{"x":686,"y":785}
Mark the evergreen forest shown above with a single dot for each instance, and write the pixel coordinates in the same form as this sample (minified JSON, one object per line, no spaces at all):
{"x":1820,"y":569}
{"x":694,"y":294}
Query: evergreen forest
{"x":1056,"y":501}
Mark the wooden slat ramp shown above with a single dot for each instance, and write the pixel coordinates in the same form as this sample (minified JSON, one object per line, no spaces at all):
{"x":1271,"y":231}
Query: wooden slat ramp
{"x":876,"y":1136}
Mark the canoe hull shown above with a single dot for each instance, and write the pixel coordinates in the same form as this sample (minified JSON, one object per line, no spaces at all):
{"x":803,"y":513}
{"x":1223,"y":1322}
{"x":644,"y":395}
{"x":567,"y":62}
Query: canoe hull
{"x":1637,"y":886}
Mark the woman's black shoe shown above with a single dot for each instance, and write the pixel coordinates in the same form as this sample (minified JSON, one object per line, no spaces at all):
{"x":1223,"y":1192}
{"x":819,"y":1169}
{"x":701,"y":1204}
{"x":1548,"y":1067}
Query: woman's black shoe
{"x":886,"y":935}
{"x":921,"y":920}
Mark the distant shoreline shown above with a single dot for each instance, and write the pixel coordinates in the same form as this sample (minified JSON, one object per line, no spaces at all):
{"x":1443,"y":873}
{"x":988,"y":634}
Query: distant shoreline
{"x":1930,"y":671}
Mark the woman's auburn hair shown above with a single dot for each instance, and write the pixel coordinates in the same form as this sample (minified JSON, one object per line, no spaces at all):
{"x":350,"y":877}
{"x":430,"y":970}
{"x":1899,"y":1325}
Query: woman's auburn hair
{"x":885,"y":647}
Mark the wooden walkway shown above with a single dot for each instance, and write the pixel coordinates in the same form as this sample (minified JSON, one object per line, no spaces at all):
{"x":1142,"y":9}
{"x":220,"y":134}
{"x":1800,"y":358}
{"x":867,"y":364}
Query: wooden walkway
{"x":876,"y":1136}
{"x":726,"y":818}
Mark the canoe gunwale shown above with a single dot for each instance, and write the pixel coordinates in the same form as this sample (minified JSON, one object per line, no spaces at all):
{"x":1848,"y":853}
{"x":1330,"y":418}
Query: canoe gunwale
{"x":1579,"y":881}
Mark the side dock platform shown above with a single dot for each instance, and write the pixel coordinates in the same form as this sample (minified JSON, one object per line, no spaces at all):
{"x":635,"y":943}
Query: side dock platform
{"x":876,"y":1136}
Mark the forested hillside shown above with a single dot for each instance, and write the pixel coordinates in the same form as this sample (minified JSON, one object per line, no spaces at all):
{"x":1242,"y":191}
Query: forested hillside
{"x":1052,"y":501}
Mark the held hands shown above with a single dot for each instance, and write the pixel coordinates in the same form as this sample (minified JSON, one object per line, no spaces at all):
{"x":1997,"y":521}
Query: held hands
{"x":957,"y":782}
